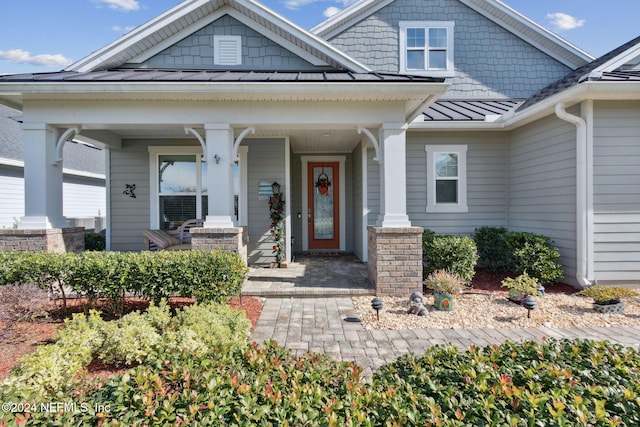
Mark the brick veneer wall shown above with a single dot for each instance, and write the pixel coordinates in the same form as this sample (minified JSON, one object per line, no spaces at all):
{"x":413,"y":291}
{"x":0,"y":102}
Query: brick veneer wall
{"x":230,"y":239}
{"x":395,"y":260}
{"x":58,"y":240}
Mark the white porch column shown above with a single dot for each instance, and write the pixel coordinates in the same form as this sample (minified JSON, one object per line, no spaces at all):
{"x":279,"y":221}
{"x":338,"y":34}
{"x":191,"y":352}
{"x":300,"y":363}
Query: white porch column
{"x":42,"y":179}
{"x":393,"y":176}
{"x":219,"y":140}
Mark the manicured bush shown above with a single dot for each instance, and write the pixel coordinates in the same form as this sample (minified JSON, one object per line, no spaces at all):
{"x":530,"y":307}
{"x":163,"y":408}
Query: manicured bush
{"x":557,"y":383}
{"x":204,"y":275}
{"x":492,"y":248}
{"x":137,"y":338}
{"x":518,"y":253}
{"x":94,"y":242}
{"x":456,"y":254}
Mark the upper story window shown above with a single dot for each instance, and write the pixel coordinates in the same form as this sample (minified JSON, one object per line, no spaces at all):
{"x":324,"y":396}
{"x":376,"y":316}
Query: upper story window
{"x":227,"y":50}
{"x":446,"y":178}
{"x":426,"y":47}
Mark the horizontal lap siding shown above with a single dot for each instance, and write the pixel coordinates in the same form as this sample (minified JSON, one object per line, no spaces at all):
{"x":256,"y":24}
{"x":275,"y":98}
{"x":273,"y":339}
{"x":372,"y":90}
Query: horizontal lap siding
{"x":129,"y":216}
{"x":373,"y":187}
{"x":542,"y":185}
{"x":12,"y":190}
{"x":84,"y":197}
{"x":266,"y":162}
{"x":486,"y":182}
{"x":617,"y":191}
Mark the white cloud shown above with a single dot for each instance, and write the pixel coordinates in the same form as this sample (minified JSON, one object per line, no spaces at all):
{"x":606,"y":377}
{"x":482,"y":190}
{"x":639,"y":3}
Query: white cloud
{"x":121,"y":5}
{"x":562,"y":21}
{"x":119,"y":29}
{"x":23,"y":57}
{"x":296,"y":4}
{"x":330,"y":11}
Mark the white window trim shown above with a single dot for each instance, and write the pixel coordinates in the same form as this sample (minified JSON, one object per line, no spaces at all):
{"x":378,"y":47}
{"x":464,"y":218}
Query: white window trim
{"x":432,"y":206}
{"x":154,"y":154}
{"x":449,"y":25}
{"x":216,"y":49}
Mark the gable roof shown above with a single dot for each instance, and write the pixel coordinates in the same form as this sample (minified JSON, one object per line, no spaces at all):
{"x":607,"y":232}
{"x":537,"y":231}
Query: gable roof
{"x":192,"y":15}
{"x":513,"y":21}
{"x":604,"y":68}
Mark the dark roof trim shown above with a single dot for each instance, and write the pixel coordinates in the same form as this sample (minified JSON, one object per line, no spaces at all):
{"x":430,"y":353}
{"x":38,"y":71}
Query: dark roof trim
{"x":153,"y":75}
{"x":579,"y":75}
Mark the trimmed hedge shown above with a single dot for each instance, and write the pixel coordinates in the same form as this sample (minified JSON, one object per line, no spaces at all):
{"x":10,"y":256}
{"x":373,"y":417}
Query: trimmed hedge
{"x":519,"y":253}
{"x":456,"y":254}
{"x":558,"y":383}
{"x":204,"y":275}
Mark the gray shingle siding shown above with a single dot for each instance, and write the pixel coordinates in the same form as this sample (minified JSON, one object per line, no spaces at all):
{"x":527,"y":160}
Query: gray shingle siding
{"x":196,"y":51}
{"x":490,"y":62}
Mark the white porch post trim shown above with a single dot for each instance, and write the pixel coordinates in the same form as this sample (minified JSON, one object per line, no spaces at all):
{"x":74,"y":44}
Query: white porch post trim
{"x":219,"y":140}
{"x":287,"y":195}
{"x":42,"y":178}
{"x":393,"y":176}
{"x":243,"y":175}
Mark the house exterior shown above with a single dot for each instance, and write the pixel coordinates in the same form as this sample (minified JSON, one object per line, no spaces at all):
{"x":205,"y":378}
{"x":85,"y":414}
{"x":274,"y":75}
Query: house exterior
{"x":84,"y":194}
{"x":390,"y":116}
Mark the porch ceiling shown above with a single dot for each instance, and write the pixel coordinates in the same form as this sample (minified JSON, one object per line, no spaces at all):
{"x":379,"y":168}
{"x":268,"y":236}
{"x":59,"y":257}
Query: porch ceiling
{"x":302,"y":139}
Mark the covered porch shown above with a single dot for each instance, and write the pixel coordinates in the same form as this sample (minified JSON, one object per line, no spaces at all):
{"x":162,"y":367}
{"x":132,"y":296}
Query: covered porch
{"x":225,"y":135}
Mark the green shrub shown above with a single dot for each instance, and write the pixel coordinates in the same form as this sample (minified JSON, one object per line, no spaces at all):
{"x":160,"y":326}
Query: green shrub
{"x":94,"y":242}
{"x":559,"y":383}
{"x":518,"y":253}
{"x":492,"y":248}
{"x":456,"y":254}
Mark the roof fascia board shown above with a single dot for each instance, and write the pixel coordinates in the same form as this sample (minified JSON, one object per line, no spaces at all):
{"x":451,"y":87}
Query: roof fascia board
{"x":226,"y":10}
{"x":227,"y":90}
{"x":91,"y":62}
{"x":618,"y":61}
{"x":348,"y":17}
{"x":94,"y":60}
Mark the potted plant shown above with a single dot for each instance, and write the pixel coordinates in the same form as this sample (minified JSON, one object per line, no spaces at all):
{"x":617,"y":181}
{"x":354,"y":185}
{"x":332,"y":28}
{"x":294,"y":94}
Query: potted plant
{"x":445,"y":286}
{"x":608,"y":299}
{"x":521,"y":286}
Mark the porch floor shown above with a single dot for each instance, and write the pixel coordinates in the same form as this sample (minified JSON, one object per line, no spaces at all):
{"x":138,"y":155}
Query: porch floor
{"x":322,"y":275}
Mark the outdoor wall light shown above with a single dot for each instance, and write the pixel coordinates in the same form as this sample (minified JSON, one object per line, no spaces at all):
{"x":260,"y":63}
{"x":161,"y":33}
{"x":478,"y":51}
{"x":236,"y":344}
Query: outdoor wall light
{"x":216,"y":158}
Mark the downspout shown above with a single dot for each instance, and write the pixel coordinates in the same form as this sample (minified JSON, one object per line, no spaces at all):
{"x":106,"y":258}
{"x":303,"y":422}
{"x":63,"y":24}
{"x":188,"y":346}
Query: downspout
{"x":581,"y":193}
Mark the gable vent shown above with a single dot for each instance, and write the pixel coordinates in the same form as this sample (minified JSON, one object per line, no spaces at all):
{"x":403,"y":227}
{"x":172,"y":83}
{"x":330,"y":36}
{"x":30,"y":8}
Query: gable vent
{"x":227,"y":50}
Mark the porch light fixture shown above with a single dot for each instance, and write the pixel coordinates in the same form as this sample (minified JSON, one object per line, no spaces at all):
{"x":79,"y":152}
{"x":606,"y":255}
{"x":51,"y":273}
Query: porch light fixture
{"x":216,"y":158}
{"x":275,"y":187}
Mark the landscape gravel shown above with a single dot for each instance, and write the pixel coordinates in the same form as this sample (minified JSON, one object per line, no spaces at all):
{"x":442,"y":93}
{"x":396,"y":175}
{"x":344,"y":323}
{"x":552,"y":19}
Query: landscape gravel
{"x":495,"y":311}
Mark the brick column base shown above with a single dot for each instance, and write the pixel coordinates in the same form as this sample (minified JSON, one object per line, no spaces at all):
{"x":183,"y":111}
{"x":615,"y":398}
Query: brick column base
{"x":58,"y":240}
{"x":395,"y":260}
{"x":230,"y":239}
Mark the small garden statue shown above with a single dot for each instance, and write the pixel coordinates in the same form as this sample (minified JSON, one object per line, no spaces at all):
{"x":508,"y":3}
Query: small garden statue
{"x":416,"y":305}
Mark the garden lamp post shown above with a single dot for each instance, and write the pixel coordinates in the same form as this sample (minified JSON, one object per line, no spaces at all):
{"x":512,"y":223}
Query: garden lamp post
{"x":377,"y":305}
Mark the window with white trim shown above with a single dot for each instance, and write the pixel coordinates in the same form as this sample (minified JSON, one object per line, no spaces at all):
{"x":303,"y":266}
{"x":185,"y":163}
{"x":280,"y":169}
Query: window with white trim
{"x":227,"y":50}
{"x":446,"y":178}
{"x":178,"y":186}
{"x":426,"y":47}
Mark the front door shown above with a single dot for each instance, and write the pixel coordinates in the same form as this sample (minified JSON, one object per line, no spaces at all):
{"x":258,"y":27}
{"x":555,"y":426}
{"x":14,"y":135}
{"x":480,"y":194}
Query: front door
{"x":324,"y":207}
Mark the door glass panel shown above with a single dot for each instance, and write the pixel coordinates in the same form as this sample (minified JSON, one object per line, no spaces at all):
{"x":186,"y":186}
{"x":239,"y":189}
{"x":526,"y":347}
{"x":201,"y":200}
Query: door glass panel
{"x":323,"y":203}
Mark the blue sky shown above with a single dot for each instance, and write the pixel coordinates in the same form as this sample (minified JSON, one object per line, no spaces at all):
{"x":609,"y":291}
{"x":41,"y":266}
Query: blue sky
{"x":46,"y":35}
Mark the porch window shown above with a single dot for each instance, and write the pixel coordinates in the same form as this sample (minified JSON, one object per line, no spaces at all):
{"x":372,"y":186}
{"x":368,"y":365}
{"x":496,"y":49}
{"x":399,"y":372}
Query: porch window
{"x":182,"y":194}
{"x":426,"y":47}
{"x":178,"y":186}
{"x":446,"y":178}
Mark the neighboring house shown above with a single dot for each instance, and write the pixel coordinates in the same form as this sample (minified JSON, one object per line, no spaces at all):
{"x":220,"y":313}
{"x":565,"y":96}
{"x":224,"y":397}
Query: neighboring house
{"x":83,"y":177}
{"x":447,"y":114}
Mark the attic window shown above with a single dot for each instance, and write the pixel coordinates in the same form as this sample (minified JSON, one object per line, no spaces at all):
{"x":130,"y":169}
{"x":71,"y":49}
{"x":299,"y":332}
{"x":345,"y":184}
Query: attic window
{"x":227,"y":50}
{"x":426,"y":48}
